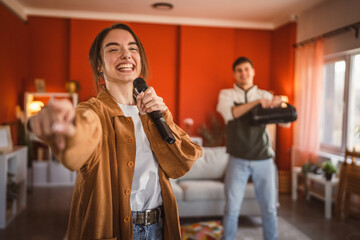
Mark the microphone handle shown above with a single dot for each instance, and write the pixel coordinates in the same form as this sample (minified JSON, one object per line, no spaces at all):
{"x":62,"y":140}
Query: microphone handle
{"x":162,"y":126}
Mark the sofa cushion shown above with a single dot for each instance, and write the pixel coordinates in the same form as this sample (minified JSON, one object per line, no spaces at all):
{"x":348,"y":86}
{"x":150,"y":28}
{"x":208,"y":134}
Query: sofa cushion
{"x":208,"y":190}
{"x":211,"y":165}
{"x":202,"y":190}
{"x":178,"y":192}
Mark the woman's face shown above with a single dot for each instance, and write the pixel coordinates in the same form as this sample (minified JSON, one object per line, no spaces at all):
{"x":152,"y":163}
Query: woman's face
{"x":121,"y":57}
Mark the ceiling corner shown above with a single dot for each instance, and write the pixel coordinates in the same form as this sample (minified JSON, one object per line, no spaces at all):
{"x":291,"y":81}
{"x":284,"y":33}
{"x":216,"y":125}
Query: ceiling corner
{"x":16,"y":7}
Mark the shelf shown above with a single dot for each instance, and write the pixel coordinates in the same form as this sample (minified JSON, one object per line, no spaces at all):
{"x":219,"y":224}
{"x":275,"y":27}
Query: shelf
{"x":14,"y":162}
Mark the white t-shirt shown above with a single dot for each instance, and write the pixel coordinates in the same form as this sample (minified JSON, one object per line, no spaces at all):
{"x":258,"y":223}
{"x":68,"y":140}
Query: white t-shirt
{"x":145,"y":190}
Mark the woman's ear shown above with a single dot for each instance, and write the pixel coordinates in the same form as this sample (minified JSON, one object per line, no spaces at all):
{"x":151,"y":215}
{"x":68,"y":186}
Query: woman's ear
{"x":101,"y":71}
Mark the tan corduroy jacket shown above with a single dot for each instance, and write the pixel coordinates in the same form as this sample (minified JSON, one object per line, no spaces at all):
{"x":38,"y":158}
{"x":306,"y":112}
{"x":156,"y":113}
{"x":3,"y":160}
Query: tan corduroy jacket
{"x":103,"y":153}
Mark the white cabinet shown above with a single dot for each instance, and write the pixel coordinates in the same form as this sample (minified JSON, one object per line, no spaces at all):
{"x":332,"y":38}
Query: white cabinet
{"x":14,"y":162}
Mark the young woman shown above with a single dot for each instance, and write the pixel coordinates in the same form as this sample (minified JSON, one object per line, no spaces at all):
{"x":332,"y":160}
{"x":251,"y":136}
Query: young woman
{"x":122,"y":189}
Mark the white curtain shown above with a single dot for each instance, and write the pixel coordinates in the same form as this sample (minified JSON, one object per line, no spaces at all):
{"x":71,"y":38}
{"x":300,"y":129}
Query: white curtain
{"x":308,"y":96}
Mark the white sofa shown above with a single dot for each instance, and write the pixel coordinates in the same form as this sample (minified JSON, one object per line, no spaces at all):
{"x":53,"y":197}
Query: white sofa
{"x":200,"y":192}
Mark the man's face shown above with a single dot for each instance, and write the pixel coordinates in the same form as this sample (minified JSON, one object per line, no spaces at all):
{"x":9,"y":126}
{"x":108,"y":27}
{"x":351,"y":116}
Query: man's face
{"x":244,"y":74}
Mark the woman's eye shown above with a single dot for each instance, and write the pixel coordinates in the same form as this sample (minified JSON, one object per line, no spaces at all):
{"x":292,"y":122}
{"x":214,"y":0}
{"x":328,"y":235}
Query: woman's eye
{"x":133,"y":49}
{"x":112,"y":50}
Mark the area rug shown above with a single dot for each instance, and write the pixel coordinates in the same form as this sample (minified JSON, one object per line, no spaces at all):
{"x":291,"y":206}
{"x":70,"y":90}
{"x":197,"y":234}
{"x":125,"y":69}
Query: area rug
{"x":212,"y":230}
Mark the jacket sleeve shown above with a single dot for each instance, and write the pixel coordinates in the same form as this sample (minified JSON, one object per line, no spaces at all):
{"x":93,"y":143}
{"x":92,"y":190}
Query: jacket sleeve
{"x":82,"y":145}
{"x":177,"y":158}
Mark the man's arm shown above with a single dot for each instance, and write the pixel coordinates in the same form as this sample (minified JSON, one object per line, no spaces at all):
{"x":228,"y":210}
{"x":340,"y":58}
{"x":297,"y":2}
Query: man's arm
{"x":240,"y":110}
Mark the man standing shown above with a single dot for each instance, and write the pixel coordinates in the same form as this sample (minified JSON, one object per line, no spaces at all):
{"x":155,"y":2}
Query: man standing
{"x":250,"y":150}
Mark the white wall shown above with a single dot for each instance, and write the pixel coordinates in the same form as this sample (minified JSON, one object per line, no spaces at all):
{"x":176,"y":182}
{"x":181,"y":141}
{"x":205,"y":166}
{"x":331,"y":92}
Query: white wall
{"x":328,"y":16}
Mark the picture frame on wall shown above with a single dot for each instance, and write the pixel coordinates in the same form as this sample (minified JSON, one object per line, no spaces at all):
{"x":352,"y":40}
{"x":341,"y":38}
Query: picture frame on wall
{"x":5,"y":139}
{"x":40,"y":85}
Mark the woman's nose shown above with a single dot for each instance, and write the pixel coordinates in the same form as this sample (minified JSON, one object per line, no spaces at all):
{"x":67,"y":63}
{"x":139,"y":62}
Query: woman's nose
{"x":125,"y":54}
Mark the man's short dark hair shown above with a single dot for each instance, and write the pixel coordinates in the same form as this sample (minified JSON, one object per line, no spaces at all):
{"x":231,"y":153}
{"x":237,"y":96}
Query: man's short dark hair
{"x":241,"y":60}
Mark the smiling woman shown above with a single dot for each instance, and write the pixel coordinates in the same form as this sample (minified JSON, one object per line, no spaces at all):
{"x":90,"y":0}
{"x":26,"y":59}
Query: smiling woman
{"x":123,"y":164}
{"x":113,"y":48}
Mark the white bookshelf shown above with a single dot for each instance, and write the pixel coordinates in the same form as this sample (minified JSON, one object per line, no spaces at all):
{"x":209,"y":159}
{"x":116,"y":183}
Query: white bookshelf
{"x":14,"y":162}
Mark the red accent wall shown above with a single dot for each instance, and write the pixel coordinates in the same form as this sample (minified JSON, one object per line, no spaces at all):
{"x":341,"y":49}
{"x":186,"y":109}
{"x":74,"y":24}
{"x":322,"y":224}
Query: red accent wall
{"x":256,"y":45}
{"x":13,"y":63}
{"x":206,"y":56}
{"x":282,"y":82}
{"x":49,"y":52}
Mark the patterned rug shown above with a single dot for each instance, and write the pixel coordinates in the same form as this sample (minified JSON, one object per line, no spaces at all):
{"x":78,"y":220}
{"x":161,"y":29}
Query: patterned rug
{"x":212,"y":230}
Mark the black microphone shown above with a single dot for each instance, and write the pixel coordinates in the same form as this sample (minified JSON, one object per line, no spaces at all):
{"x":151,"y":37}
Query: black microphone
{"x":156,"y":116}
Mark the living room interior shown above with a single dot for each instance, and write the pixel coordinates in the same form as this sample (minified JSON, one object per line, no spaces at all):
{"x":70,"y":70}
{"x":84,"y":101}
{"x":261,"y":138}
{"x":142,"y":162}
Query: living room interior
{"x":308,"y":52}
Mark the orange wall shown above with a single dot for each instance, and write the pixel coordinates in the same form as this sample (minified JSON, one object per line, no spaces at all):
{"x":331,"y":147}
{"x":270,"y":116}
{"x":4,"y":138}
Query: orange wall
{"x":14,"y":52}
{"x":282,"y":82}
{"x":49,"y":52}
{"x":206,"y":56}
{"x":256,"y":45}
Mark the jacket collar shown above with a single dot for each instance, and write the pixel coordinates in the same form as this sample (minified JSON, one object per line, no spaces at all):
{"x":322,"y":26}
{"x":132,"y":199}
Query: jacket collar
{"x":249,"y":91}
{"x":109,"y":103}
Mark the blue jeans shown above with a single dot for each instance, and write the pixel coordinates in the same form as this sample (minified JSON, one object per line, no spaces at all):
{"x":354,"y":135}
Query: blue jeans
{"x":150,"y":232}
{"x":263,"y":175}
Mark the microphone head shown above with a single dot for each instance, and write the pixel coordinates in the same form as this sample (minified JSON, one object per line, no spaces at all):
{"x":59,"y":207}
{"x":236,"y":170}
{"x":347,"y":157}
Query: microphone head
{"x":139,"y":85}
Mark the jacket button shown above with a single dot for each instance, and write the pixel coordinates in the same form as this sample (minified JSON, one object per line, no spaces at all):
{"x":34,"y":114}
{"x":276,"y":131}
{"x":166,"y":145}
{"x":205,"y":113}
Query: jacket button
{"x":131,"y":140}
{"x":126,"y":219}
{"x":130,"y":164}
{"x":128,"y":191}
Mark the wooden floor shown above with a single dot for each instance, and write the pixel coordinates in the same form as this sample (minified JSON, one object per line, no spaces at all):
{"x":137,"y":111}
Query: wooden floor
{"x":48,"y":209}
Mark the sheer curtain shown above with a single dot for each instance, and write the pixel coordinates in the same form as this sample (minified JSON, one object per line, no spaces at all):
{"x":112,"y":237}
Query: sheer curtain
{"x":308,"y":96}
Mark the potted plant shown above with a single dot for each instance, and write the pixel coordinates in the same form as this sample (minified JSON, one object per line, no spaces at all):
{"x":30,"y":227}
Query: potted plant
{"x":329,"y":169}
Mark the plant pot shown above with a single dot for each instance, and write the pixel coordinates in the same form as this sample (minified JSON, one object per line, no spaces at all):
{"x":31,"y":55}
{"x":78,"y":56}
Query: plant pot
{"x":328,"y":176}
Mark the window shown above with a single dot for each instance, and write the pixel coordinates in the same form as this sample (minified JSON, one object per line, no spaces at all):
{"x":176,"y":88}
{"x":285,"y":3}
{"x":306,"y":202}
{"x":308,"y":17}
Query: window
{"x":354,"y":104}
{"x":340,"y":123}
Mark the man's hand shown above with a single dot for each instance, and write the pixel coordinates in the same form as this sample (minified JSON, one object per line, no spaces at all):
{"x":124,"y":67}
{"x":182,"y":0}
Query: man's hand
{"x":266,"y":103}
{"x":55,"y":121}
{"x":275,"y":102}
{"x":148,"y":102}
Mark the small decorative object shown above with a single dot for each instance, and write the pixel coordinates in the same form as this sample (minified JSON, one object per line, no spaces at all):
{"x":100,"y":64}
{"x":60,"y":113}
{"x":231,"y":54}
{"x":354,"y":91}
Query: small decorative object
{"x":40,"y":85}
{"x":72,"y":86}
{"x":213,"y":136}
{"x":188,"y":123}
{"x":308,"y":167}
{"x":5,"y":139}
{"x":211,"y":230}
{"x":329,"y":169}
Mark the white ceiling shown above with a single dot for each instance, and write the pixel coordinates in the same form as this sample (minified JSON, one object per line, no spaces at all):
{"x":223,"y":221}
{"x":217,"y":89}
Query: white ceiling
{"x":262,"y":14}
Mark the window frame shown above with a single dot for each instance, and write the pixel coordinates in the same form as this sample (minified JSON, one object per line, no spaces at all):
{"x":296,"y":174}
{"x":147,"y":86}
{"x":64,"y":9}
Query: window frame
{"x":349,"y":58}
